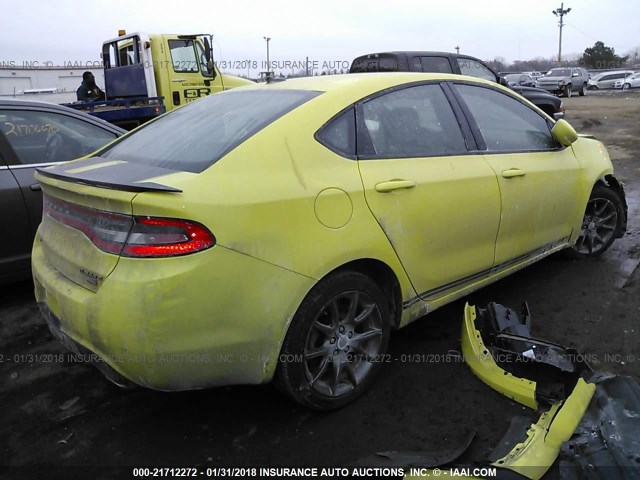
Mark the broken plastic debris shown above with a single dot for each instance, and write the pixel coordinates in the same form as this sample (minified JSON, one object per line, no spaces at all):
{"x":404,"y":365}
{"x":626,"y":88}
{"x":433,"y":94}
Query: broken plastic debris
{"x":69,"y":403}
{"x":66,"y":439}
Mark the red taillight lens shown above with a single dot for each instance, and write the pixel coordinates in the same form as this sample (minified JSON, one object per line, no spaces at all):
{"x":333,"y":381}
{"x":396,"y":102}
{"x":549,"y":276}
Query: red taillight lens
{"x":131,"y":236}
{"x":166,"y":237}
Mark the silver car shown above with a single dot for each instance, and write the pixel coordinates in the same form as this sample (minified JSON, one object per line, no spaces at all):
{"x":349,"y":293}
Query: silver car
{"x":632,"y":81}
{"x":606,"y":80}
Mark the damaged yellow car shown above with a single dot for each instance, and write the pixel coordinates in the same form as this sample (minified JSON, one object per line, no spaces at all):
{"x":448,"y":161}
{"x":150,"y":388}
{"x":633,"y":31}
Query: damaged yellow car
{"x":283,"y":230}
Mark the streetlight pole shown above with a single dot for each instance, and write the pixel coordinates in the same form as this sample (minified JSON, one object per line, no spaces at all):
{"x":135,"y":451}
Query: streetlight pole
{"x":268,"y":63}
{"x":560,"y":12}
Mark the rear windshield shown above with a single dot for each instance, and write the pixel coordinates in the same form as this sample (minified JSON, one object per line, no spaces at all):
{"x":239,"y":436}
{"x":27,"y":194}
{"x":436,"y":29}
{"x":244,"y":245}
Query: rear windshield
{"x":379,"y":64}
{"x":194,"y":137}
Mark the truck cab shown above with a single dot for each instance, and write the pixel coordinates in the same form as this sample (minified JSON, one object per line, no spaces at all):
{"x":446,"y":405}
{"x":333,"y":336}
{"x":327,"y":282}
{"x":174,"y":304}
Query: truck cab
{"x":146,"y":75}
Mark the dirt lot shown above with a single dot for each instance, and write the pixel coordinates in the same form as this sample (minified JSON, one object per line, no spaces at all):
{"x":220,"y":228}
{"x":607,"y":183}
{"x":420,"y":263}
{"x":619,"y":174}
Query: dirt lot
{"x":56,"y":412}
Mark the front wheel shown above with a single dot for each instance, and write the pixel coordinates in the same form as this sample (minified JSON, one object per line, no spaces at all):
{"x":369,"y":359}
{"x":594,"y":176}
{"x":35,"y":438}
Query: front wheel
{"x":626,"y":86}
{"x":568,"y":91}
{"x":601,"y":223}
{"x":336,"y":343}
{"x":583,"y":90}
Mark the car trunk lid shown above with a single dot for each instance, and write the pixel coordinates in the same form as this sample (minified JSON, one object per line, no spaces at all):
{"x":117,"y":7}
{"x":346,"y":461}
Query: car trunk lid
{"x":87,"y":215}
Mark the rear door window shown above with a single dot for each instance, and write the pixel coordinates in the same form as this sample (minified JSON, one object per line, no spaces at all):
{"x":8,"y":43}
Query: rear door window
{"x":411,"y":122}
{"x":46,"y":137}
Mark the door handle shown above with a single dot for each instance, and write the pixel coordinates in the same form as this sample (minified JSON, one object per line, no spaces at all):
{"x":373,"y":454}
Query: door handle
{"x":386,"y":187}
{"x":513,"y":172}
{"x":36,"y":187}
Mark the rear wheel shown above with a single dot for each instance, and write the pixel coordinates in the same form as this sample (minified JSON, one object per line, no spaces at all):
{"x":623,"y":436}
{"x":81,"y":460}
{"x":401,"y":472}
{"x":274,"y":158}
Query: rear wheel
{"x":601,"y":223}
{"x":336,"y":342}
{"x":583,"y":90}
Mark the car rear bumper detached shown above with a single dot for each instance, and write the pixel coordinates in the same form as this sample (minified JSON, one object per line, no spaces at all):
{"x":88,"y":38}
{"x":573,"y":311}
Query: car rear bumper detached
{"x":589,"y":422}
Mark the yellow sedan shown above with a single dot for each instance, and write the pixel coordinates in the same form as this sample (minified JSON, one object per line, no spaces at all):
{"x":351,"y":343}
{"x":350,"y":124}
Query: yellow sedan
{"x":281,"y":231}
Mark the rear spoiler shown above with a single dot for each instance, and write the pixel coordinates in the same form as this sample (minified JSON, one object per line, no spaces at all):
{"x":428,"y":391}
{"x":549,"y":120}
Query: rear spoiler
{"x":112,"y":174}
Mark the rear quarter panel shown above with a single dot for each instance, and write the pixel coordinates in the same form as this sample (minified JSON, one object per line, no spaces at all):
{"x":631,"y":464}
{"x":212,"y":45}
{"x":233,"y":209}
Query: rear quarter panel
{"x":261,"y":200}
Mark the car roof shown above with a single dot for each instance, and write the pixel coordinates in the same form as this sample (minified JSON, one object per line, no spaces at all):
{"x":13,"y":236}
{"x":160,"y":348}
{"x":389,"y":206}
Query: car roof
{"x":419,"y":53}
{"x":36,"y":104}
{"x":362,"y":83}
{"x":602,"y":74}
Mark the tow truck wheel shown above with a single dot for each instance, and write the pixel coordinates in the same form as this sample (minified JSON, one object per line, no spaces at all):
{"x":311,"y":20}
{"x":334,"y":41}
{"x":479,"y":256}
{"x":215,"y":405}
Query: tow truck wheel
{"x":336,"y":343}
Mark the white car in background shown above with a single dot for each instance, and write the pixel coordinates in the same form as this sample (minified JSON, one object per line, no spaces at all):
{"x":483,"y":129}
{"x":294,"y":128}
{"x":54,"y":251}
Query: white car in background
{"x":605,"y":80}
{"x":630,"y":82}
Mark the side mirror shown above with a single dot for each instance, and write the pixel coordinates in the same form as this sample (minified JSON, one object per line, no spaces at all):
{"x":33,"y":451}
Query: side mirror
{"x":564,"y":133}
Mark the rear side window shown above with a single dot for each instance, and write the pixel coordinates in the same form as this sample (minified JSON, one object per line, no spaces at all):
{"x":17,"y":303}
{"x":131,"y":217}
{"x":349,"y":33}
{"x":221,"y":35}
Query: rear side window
{"x":194,"y":137}
{"x":432,"y":64}
{"x":339,"y":134}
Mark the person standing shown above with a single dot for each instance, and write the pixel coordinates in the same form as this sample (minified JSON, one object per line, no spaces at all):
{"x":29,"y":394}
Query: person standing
{"x":88,"y":90}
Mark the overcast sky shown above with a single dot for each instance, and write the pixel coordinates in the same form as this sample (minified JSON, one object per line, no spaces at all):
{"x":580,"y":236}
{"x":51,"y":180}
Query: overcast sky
{"x":334,"y":30}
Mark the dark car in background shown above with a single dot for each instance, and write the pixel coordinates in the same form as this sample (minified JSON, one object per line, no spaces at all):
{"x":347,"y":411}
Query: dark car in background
{"x":446,"y":62}
{"x":34,"y":135}
{"x":520,"y":80}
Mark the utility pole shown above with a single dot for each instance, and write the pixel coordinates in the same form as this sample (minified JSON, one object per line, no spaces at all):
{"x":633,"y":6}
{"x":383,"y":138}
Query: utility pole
{"x":560,"y":12}
{"x":457,"y":49}
{"x":268,"y":39}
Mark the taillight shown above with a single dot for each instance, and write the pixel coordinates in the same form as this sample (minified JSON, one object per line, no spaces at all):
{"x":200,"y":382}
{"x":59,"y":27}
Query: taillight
{"x":131,"y":236}
{"x":166,"y":237}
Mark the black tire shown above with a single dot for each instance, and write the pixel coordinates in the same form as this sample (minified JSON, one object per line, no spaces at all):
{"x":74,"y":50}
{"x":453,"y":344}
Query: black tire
{"x":337,"y":342}
{"x":626,"y":86}
{"x":601,"y":224}
{"x":568,"y":90}
{"x":583,"y":90}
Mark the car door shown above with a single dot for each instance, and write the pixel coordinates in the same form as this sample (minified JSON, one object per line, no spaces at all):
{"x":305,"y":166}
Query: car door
{"x":15,"y":220}
{"x":438,"y":205}
{"x":538,"y":178}
{"x":34,"y":138}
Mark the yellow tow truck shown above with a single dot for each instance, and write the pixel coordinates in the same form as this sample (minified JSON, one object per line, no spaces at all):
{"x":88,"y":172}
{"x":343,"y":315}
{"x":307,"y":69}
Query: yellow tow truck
{"x":146,"y":75}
